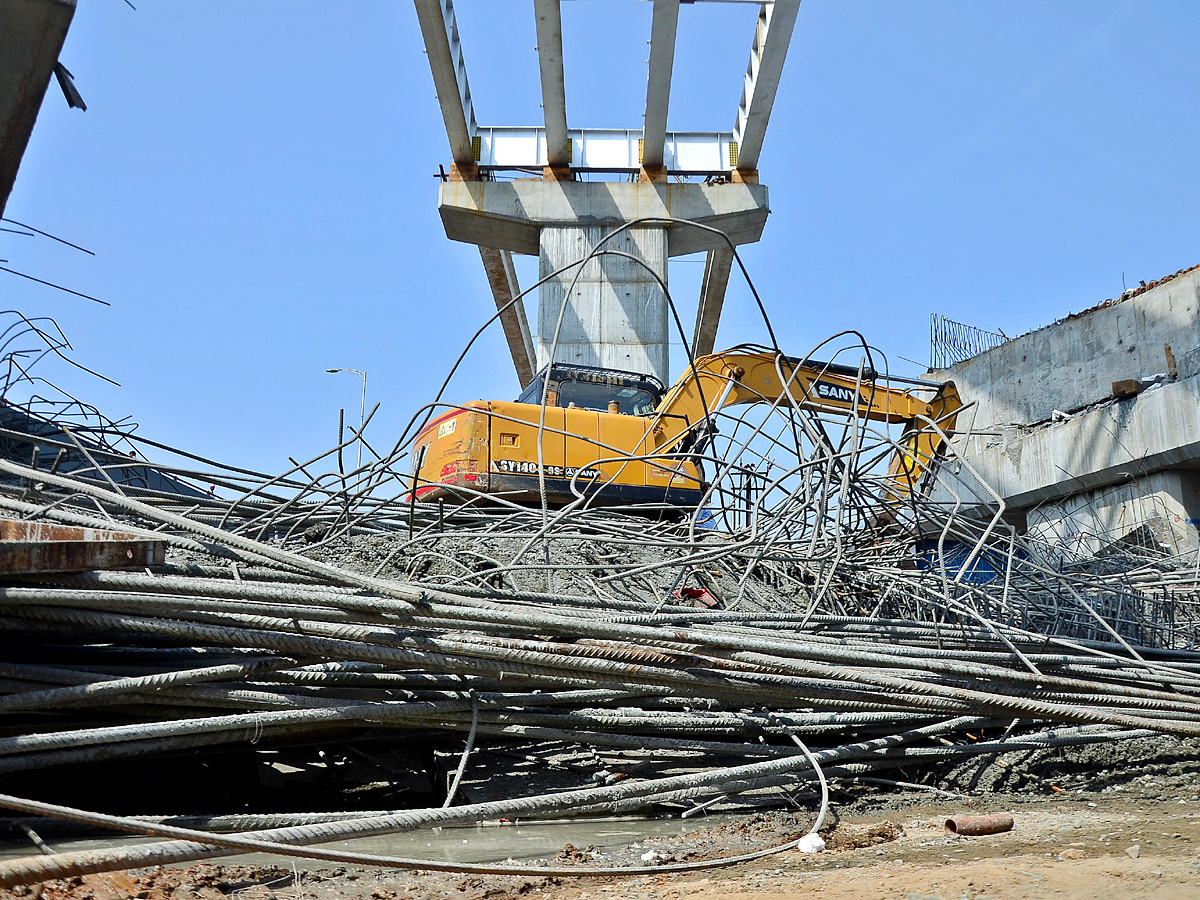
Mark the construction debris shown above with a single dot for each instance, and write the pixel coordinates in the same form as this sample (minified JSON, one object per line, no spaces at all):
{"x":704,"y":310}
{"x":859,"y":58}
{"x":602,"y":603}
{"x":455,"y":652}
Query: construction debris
{"x":973,"y":826}
{"x":33,"y":547}
{"x":324,"y":624}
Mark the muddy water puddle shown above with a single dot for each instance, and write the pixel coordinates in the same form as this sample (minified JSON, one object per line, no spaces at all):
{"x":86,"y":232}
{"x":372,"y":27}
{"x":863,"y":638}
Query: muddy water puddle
{"x":488,"y":842}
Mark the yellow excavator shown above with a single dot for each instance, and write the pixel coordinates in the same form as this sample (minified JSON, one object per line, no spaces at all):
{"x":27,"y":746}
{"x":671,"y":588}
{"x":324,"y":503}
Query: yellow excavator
{"x":620,"y":438}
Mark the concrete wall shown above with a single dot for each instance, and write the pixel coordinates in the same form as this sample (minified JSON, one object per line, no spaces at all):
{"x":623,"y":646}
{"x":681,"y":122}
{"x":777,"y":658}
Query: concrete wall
{"x":1073,"y":363}
{"x":1122,"y":439}
{"x":1081,"y":469}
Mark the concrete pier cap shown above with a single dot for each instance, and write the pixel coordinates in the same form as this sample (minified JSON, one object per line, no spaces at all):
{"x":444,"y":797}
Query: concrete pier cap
{"x":611,"y":312}
{"x":510,"y":215}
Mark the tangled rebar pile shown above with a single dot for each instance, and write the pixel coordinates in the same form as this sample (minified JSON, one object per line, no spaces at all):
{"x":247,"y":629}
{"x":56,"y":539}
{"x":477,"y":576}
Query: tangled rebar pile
{"x":328,"y":615}
{"x":791,"y":630}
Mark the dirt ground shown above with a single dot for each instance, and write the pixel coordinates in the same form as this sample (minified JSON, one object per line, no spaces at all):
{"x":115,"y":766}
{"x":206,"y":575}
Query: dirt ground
{"x":1078,"y":846}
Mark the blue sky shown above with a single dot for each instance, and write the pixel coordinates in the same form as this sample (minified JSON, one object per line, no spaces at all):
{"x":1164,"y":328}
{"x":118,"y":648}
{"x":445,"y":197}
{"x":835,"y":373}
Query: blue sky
{"x":256,"y":179}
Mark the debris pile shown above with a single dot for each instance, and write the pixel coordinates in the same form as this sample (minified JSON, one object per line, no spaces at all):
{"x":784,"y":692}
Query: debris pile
{"x":792,"y":632}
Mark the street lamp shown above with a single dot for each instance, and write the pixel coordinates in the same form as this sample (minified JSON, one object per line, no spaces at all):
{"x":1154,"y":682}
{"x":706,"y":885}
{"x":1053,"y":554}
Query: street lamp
{"x":362,"y":417}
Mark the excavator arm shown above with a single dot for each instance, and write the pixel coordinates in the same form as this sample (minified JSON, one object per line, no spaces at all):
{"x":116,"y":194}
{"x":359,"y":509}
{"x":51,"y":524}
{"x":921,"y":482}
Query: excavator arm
{"x":754,"y":375}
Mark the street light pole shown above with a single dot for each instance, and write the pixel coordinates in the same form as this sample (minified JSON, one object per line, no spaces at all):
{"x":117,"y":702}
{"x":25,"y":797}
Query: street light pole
{"x":362,"y":416}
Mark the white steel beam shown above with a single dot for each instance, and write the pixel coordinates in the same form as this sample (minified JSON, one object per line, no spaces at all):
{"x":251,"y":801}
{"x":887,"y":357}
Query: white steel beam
{"x":772,"y":35}
{"x":554,"y":92}
{"x":605,"y":150}
{"x":663,"y":27}
{"x":502,"y":277}
{"x":444,"y":49}
{"x":712,"y":298}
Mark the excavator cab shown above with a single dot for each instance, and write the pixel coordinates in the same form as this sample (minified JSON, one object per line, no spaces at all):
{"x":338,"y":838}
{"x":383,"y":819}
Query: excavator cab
{"x":591,"y":437}
{"x":589,"y":387}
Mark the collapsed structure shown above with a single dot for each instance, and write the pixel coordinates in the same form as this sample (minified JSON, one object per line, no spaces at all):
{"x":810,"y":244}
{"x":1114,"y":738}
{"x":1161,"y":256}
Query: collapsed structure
{"x":322,"y":628}
{"x":316,"y":627}
{"x":1088,"y":430}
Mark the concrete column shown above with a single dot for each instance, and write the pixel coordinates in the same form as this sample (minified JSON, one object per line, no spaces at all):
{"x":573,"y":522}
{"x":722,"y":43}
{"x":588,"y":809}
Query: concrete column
{"x":717,"y":267}
{"x":617,"y":315}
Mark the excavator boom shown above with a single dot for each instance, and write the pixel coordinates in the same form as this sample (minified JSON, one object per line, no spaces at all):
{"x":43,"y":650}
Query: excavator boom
{"x":755,"y":375}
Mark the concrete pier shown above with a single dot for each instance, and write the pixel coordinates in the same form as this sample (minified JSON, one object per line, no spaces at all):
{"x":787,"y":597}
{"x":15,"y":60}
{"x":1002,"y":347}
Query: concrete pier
{"x":616,"y":316}
{"x":596,"y":179}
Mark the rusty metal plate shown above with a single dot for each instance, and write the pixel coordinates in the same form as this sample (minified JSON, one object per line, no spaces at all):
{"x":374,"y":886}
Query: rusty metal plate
{"x":33,"y":547}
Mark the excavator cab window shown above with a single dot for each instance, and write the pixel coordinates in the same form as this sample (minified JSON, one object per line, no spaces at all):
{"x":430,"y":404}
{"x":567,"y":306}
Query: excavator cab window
{"x":588,"y":395}
{"x":587,"y":387}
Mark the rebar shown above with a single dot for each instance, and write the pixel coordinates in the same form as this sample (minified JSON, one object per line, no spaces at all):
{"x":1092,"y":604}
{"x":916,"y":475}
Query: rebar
{"x":799,"y":622}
